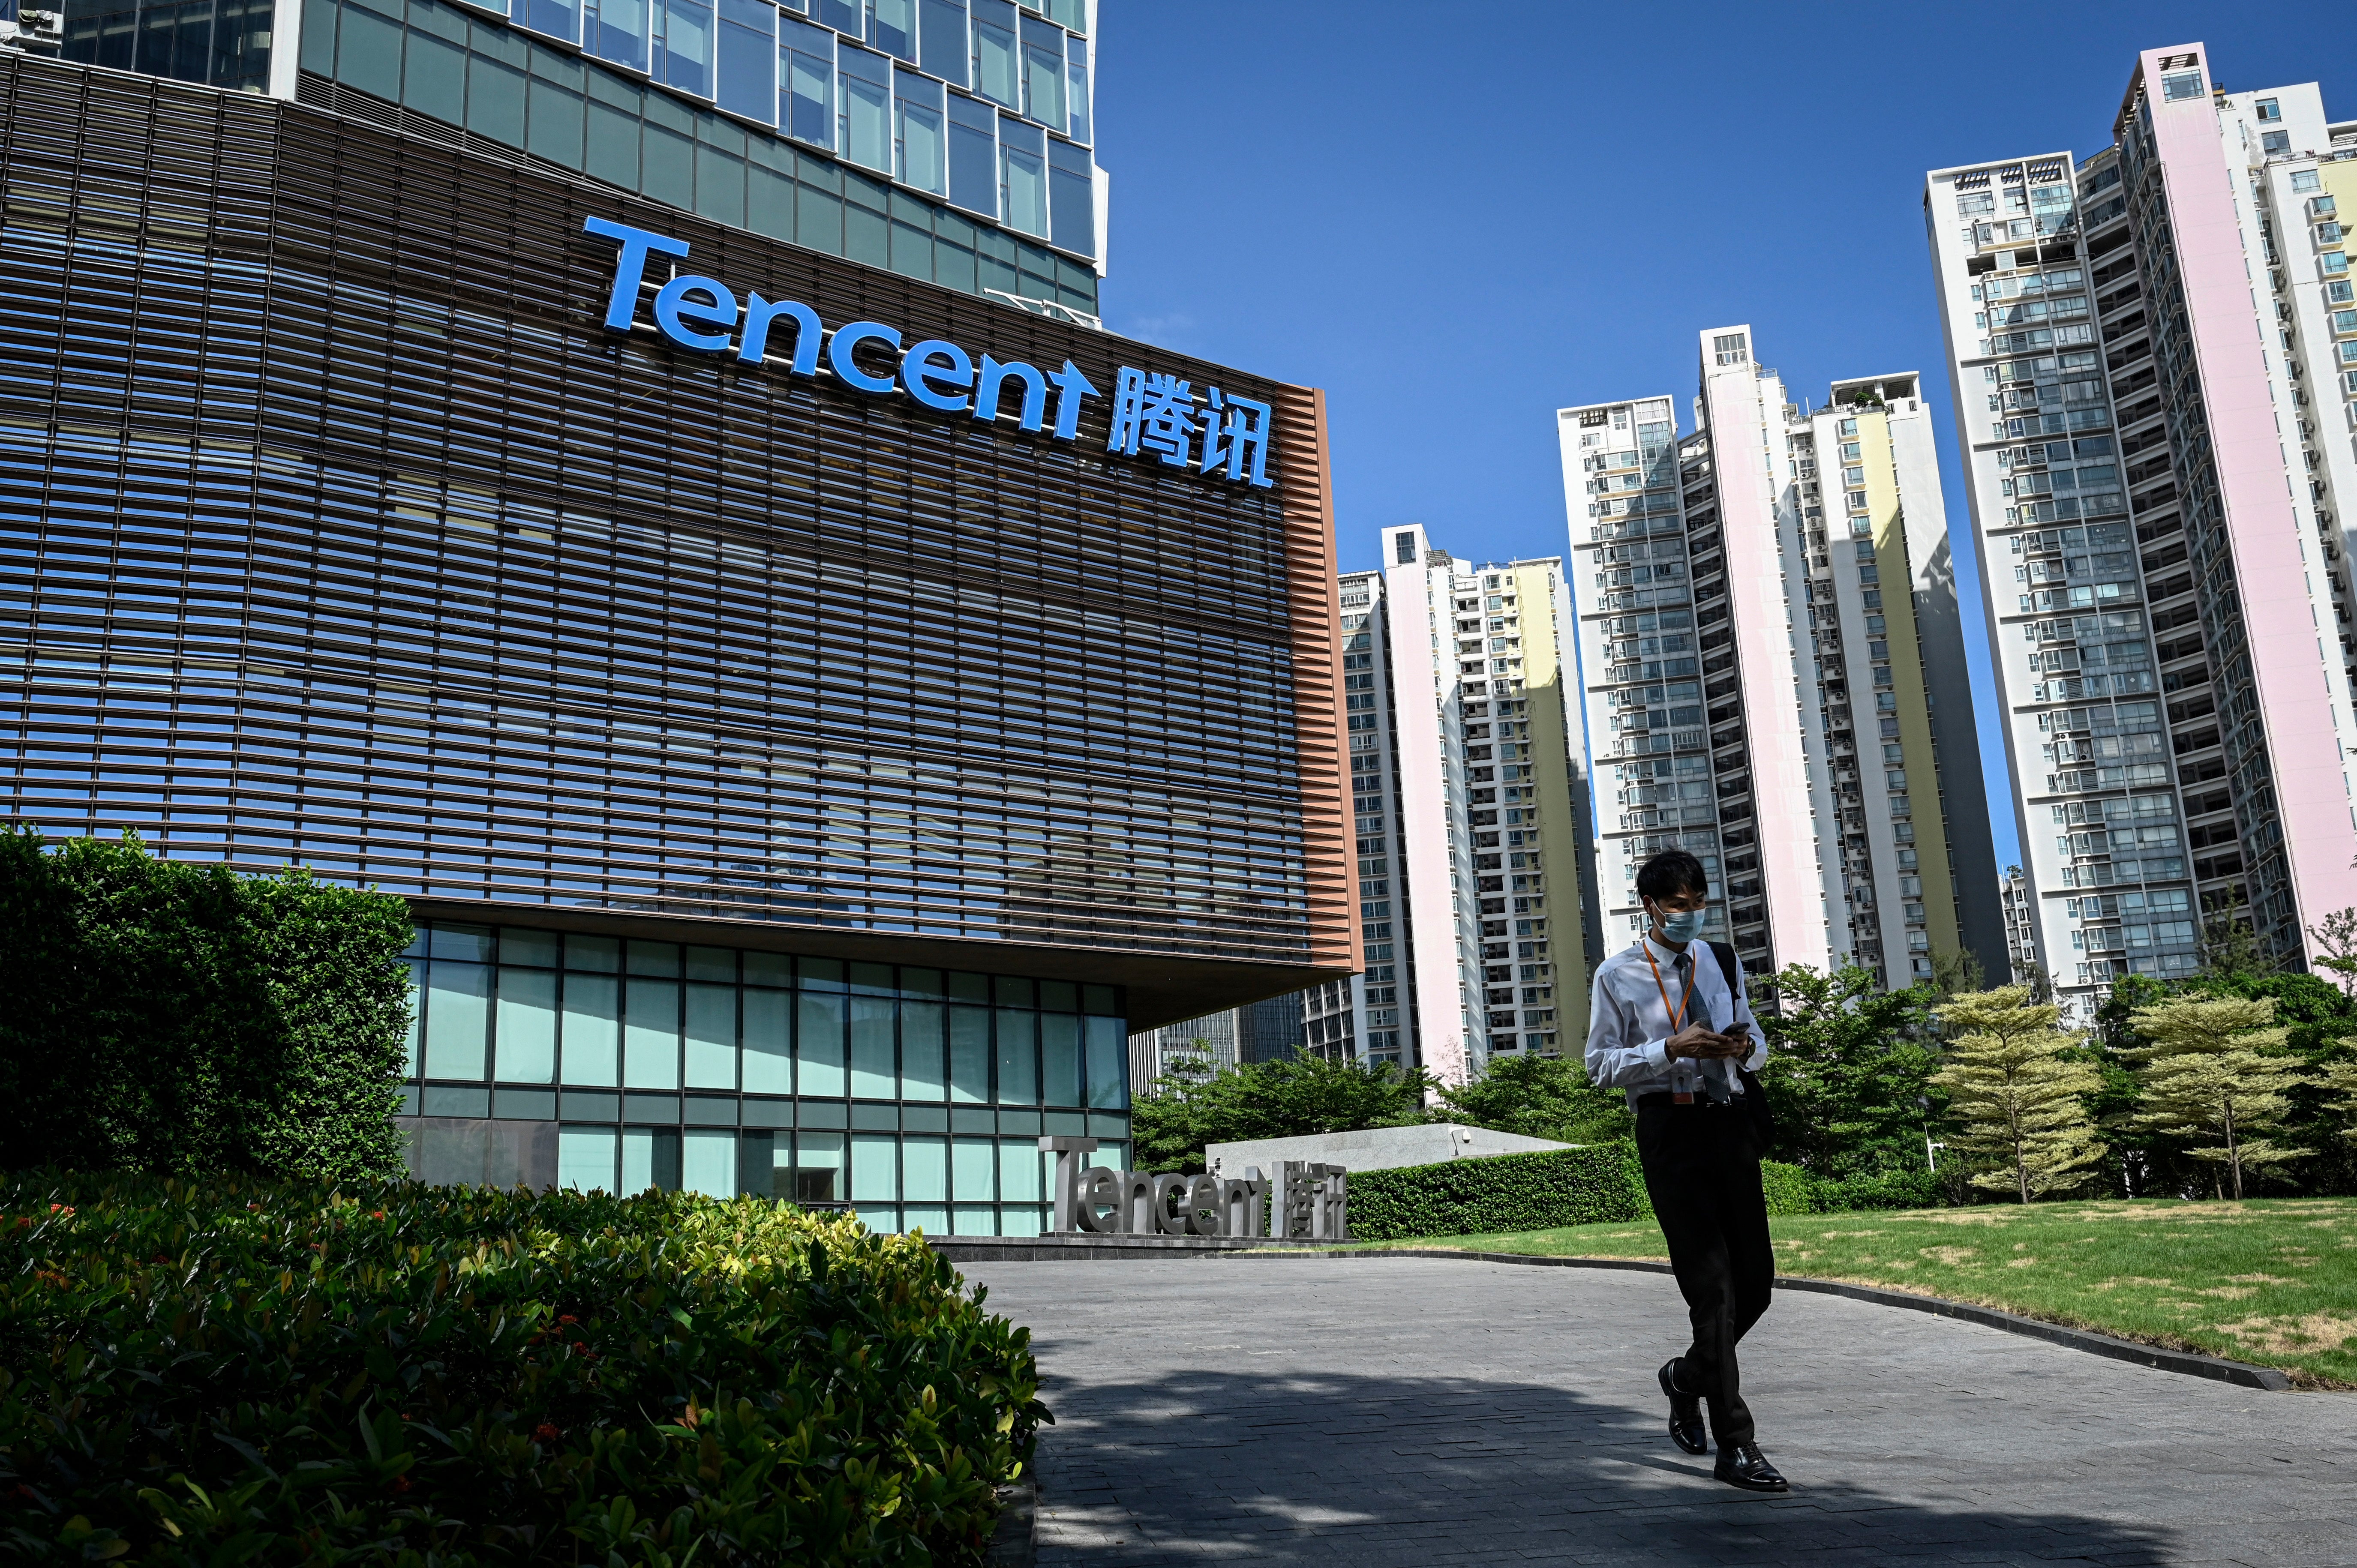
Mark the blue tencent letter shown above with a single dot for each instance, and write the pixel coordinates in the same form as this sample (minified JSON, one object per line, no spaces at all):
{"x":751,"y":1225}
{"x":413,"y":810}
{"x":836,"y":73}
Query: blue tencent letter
{"x":1071,"y":388}
{"x":995,"y":377}
{"x":937,"y":373}
{"x":759,"y":313}
{"x":845,"y":342}
{"x":676,"y":305}
{"x":630,"y":266}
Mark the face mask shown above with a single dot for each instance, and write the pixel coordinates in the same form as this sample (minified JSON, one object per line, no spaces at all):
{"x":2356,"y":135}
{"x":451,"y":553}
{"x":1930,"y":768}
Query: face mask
{"x":1682,"y":928}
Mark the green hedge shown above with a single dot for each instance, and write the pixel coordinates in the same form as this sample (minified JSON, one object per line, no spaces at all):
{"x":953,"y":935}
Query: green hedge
{"x":1499,"y":1192}
{"x":1579,"y":1187}
{"x":169,"y":1017}
{"x":233,"y":1373}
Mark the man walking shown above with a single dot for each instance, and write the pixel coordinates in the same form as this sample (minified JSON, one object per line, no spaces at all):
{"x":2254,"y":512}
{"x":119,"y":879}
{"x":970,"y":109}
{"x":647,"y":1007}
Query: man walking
{"x":1671,"y":1027}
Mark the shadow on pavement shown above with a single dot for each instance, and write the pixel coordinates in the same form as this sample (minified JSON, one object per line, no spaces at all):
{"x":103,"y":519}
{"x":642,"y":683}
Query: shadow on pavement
{"x":1223,"y":1466}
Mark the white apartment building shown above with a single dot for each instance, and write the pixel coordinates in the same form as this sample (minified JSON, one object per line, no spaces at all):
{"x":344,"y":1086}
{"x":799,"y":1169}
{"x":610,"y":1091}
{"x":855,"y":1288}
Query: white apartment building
{"x":2154,"y":354}
{"x":1772,"y":669}
{"x":1471,"y":812}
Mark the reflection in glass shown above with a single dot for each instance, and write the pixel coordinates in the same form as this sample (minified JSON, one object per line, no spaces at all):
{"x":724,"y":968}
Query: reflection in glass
{"x":708,"y":1162}
{"x":769,"y":1043}
{"x":585,"y":1158}
{"x":527,"y":1025}
{"x":818,"y":1167}
{"x":994,"y":52}
{"x":615,"y":30}
{"x":806,"y":82}
{"x":1019,"y":1057}
{"x":919,"y":152}
{"x":747,"y":58}
{"x":866,"y":123}
{"x":872,"y":1074}
{"x":651,"y":1034}
{"x":892,"y":27}
{"x":683,"y":54}
{"x":1023,"y":177}
{"x":819,"y":1027}
{"x":592,"y":1033}
{"x":711,"y":1036}
{"x":457,"y":1020}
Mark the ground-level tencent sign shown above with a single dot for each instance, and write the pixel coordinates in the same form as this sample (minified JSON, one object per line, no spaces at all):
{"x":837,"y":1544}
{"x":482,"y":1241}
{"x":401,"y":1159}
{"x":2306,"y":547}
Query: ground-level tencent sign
{"x":1154,"y":416}
{"x":1303,"y":1199}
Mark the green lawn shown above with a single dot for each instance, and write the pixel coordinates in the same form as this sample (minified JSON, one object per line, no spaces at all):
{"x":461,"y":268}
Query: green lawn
{"x":2271,"y":1281}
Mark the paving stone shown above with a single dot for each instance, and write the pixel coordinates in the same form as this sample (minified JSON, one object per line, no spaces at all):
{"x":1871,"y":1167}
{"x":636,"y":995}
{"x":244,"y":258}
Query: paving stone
{"x":1422,"y":1410}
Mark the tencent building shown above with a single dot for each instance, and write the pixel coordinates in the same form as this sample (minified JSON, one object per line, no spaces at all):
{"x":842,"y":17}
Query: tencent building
{"x":680,"y":525}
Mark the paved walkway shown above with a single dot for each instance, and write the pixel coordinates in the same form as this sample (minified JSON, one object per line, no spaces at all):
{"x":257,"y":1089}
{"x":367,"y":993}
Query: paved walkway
{"x":1417,"y":1411}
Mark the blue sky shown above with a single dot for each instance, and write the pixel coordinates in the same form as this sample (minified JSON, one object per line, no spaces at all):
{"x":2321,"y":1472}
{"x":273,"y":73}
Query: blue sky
{"x":1458,"y":218}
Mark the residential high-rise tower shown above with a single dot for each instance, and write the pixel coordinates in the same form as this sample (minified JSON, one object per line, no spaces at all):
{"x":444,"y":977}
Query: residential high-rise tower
{"x":1772,"y":667}
{"x":2152,"y":352}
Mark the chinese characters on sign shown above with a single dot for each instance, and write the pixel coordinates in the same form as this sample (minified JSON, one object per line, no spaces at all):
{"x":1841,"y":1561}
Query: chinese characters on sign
{"x":1152,"y":415}
{"x":1157,"y":414}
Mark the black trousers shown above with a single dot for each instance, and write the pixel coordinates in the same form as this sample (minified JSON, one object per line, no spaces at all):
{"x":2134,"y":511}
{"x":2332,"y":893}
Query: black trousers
{"x":1702,"y":1172}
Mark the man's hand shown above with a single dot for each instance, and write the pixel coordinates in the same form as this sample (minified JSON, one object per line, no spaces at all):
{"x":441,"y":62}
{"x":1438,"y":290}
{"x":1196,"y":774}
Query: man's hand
{"x":1698,"y":1042}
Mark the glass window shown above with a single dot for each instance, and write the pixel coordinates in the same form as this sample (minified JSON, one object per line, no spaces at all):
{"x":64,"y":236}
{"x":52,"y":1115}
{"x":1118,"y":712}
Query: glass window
{"x":457,"y":1020}
{"x":925,"y":1170}
{"x":973,"y":1170}
{"x":818,"y":1167}
{"x":892,"y":27}
{"x":1059,"y":1058}
{"x":970,"y":1055}
{"x":748,"y":60}
{"x":591,"y":1035}
{"x":527,"y":1025}
{"x":843,"y":16}
{"x":650,"y":1159}
{"x":918,"y":156}
{"x":711,"y":1036}
{"x":806,"y":82}
{"x":942,"y":41}
{"x":1076,"y":52}
{"x":651,"y":1034}
{"x":863,"y":125}
{"x":585,"y":1158}
{"x":708,"y":1162}
{"x":537,"y":949}
{"x":617,"y":30}
{"x":1043,"y":73}
{"x":1023,"y":177}
{"x":820,"y":1025}
{"x":682,"y":45}
{"x":994,"y":52}
{"x":557,"y":18}
{"x":2269,"y":109}
{"x":872,"y":1074}
{"x":1018,"y":1171}
{"x":434,"y":79}
{"x":1019,"y":1057}
{"x":973,"y":155}
{"x":2181,"y":84}
{"x":875,"y":1167}
{"x":1075,"y":213}
{"x":1108,"y":1064}
{"x":769,"y":1042}
{"x":923,"y":1050}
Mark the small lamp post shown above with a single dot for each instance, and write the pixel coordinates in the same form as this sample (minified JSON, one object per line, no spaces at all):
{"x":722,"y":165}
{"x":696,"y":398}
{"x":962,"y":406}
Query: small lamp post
{"x":1924,"y":1106}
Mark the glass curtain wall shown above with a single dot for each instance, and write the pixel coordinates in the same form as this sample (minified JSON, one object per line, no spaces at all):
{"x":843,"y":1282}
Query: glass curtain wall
{"x":914,"y":1097}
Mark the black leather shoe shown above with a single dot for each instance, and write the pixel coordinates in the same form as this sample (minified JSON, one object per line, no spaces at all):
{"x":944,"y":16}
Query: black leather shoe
{"x":1743,"y":1464}
{"x":1685,"y":1413}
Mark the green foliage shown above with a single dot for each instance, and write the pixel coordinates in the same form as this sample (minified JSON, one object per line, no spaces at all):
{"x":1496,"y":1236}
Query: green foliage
{"x":2021,"y":1096}
{"x":2217,"y":1067}
{"x":1787,"y":1189}
{"x":1499,"y":1192}
{"x":1539,"y":1096}
{"x":237,"y":1372}
{"x":164,"y":1017}
{"x":1847,"y":1063}
{"x":1174,"y":1119}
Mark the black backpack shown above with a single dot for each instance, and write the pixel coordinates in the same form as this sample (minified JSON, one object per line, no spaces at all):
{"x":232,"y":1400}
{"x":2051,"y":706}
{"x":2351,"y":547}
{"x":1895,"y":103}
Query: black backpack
{"x":1755,"y":1099}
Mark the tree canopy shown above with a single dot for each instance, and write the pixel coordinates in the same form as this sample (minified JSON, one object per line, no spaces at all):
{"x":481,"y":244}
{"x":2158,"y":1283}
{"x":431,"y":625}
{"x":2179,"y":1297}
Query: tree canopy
{"x":1183,"y":1111}
{"x":1539,"y":1096}
{"x":1846,"y":1063}
{"x":2022,"y":1102}
{"x":2217,"y":1067}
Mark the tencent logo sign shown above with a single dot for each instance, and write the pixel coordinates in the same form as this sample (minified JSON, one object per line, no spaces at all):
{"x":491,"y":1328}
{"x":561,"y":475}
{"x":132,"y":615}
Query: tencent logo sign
{"x":1154,"y":416}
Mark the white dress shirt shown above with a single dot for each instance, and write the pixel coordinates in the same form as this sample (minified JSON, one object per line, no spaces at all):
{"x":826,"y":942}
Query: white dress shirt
{"x":1629,"y":1025}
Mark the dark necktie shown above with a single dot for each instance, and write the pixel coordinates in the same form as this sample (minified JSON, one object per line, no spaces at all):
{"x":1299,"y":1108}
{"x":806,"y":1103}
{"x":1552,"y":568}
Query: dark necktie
{"x":1714,"y":1071}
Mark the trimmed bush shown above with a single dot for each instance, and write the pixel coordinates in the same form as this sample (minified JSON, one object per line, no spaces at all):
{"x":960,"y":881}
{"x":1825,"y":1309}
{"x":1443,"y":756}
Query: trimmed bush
{"x":1499,"y":1192}
{"x":170,"y":1017}
{"x":1882,"y":1189}
{"x":232,"y":1371}
{"x":1788,"y":1188}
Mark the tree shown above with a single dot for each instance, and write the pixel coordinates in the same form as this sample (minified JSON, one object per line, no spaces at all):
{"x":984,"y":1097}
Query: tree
{"x":2230,"y":949}
{"x":1957,"y":972}
{"x":1183,"y":1111}
{"x":1539,"y":1096}
{"x":2342,"y":1081}
{"x":2021,"y":1098}
{"x":2211,"y":1072}
{"x":1847,"y":1062}
{"x":2337,"y":937}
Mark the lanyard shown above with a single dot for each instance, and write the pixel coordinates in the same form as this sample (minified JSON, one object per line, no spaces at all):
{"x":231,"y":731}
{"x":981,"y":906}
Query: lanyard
{"x":1684,"y":995}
